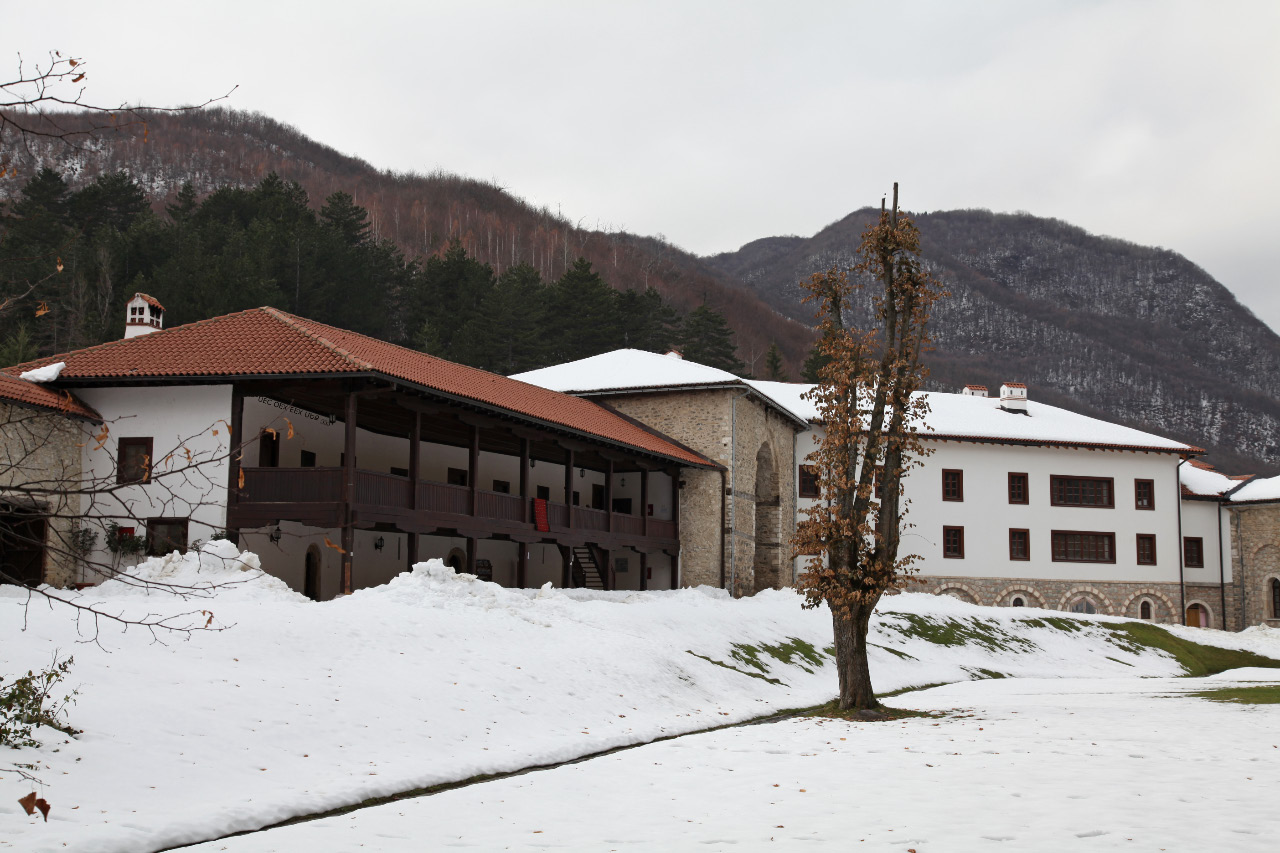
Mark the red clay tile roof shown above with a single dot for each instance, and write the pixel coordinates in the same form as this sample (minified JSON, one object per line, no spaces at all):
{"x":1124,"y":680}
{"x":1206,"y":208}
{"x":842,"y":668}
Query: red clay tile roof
{"x":977,"y":387}
{"x":1012,"y":385}
{"x":270,"y":342}
{"x":150,"y":300}
{"x":40,"y":396}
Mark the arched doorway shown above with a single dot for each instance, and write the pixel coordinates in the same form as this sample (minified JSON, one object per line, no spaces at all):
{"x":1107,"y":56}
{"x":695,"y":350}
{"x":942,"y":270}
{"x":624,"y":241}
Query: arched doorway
{"x":456,"y":560}
{"x":311,"y":574}
{"x":768,"y":527}
{"x":1197,"y":616}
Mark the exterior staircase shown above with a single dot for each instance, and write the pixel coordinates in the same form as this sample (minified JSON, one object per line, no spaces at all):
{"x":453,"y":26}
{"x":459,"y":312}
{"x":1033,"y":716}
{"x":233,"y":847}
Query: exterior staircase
{"x":585,"y":558}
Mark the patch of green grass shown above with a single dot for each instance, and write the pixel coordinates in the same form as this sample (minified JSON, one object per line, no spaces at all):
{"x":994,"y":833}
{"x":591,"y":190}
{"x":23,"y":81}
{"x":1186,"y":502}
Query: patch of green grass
{"x":785,"y":653}
{"x":1195,"y":658}
{"x":1265,"y":694}
{"x":759,"y":675}
{"x":954,"y":632}
{"x":985,"y":673}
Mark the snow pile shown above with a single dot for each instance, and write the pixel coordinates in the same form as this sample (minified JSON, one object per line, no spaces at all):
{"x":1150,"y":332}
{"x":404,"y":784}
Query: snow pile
{"x":1259,"y":489}
{"x":217,"y":570}
{"x":1205,"y":481}
{"x":48,"y":373}
{"x":301,"y":706}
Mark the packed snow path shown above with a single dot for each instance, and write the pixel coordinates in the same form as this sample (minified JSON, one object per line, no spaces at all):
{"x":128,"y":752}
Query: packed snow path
{"x":1030,"y":765}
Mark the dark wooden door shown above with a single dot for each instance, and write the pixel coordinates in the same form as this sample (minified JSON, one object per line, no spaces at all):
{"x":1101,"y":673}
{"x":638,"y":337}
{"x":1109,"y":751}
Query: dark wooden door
{"x":21,"y":549}
{"x":311,"y":582}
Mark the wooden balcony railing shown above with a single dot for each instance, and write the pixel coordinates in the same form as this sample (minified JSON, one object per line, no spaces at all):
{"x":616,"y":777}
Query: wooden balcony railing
{"x":373,"y":488}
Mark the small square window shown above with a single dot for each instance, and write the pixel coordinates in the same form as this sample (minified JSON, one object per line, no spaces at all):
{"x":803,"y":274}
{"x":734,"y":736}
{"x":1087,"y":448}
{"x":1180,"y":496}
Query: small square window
{"x":502,"y":486}
{"x":457,"y":477}
{"x":133,"y":460}
{"x":1018,"y":492}
{"x":307,"y":459}
{"x":542,"y":493}
{"x":1146,"y":549}
{"x":953,"y":542}
{"x":166,"y":535}
{"x":1019,"y":544}
{"x":952,"y":484}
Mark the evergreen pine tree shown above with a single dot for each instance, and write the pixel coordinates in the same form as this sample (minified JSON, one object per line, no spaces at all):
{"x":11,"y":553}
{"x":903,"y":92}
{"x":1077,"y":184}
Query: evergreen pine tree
{"x":585,"y":319}
{"x":707,"y":339}
{"x":646,"y":321}
{"x":773,"y":363}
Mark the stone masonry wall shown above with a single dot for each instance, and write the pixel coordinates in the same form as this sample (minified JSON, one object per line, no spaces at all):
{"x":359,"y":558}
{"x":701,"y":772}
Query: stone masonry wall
{"x":735,"y":430}
{"x":42,"y":448}
{"x":1255,"y":560}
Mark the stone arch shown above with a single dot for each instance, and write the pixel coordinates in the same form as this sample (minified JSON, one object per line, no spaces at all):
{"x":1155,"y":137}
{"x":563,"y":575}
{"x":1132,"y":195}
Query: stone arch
{"x":1204,"y":609}
{"x":1005,"y":596}
{"x":1103,"y":603}
{"x":957,"y":590}
{"x":312,"y":573}
{"x":767,"y":562}
{"x":1161,"y":605}
{"x":456,"y":559}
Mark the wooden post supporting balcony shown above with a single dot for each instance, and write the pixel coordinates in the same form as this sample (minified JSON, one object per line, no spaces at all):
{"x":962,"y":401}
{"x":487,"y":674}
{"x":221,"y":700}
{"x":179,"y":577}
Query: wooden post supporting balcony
{"x":473,"y":470}
{"x":415,"y":449}
{"x":233,"y":459}
{"x":644,"y":502}
{"x":471,"y":555}
{"x":522,"y":564}
{"x":568,"y":485}
{"x":608,"y":495}
{"x":675,"y":516}
{"x":348,"y":491}
{"x":644,"y":570}
{"x":524,"y":484}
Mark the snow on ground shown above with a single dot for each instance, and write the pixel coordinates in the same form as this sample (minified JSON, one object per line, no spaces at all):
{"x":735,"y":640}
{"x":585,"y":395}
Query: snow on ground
{"x":300,"y":706}
{"x":1029,"y":765}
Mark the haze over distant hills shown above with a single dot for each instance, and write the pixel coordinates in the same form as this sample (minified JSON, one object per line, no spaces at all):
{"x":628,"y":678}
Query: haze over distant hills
{"x":1096,"y":325}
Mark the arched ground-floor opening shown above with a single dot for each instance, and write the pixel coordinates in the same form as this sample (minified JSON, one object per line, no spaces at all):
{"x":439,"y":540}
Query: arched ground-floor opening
{"x":767,"y":560}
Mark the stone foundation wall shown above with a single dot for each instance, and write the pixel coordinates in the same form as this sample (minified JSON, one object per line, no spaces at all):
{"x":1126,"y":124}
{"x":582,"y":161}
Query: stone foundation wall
{"x":39,"y":447}
{"x":1255,"y":561}
{"x":1110,"y":598}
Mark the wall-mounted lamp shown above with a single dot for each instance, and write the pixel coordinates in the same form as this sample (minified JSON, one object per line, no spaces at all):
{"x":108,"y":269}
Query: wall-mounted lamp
{"x":533,"y":463}
{"x":275,"y":536}
{"x":379,"y":544}
{"x":582,"y":472}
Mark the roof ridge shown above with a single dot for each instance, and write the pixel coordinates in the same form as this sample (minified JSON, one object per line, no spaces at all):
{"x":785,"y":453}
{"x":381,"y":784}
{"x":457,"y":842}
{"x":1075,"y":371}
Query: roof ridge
{"x":290,"y":321}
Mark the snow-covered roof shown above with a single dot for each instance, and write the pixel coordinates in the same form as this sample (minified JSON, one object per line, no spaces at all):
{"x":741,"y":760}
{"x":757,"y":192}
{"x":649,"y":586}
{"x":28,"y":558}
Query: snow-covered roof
{"x":627,"y":370}
{"x":1203,"y":481}
{"x":952,"y":416}
{"x":1258,"y":489}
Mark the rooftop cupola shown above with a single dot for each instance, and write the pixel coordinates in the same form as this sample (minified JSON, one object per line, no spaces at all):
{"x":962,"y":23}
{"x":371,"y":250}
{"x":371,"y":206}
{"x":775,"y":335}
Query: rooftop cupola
{"x":144,"y":315}
{"x":974,"y":391}
{"x":1013,"y":397}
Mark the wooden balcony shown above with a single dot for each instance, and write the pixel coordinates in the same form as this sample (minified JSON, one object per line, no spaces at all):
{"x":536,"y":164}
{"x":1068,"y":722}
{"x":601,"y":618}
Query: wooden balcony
{"x":315,"y":496}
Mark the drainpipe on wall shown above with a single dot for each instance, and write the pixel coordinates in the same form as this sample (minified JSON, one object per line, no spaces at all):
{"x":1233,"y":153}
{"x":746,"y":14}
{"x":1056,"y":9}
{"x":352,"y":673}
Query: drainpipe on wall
{"x":1222,"y":571}
{"x":1240,"y":581}
{"x":724,"y":521}
{"x":1182,"y":581}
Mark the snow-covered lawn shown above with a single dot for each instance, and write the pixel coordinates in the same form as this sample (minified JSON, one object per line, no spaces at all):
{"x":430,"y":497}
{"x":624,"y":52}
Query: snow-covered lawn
{"x":299,"y":706}
{"x":1030,"y":765}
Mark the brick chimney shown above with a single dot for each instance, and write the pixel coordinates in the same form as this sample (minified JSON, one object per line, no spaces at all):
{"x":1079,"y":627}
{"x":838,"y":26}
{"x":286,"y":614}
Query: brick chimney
{"x":1013,"y":397}
{"x":143,"y":315}
{"x":974,"y":391}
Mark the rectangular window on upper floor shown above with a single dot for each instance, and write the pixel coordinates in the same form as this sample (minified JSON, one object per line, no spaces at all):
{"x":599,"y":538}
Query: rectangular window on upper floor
{"x":952,"y":484}
{"x":808,"y":480}
{"x":1082,"y":491}
{"x":1144,"y":494}
{"x":1018,"y":492}
{"x":1193,"y":552}
{"x":1080,"y":546}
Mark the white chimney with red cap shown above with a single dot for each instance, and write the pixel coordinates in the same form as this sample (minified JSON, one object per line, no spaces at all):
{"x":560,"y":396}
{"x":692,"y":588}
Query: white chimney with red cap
{"x":1013,"y":397}
{"x":143,"y":315}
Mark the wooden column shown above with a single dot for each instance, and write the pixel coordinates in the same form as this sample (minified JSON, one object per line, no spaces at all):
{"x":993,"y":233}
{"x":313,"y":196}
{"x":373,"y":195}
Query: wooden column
{"x":415,"y":449}
{"x":348,"y":492}
{"x":522,"y":565}
{"x":644,"y":570}
{"x":608,"y":495}
{"x":568,"y":484}
{"x":644,"y":502}
{"x":233,"y":459}
{"x":473,"y":469}
{"x":471,"y":555}
{"x":675,"y":517}
{"x":524,"y":483}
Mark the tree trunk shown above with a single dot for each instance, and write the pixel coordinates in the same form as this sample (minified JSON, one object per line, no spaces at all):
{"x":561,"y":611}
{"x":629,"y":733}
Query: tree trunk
{"x":851,"y":657}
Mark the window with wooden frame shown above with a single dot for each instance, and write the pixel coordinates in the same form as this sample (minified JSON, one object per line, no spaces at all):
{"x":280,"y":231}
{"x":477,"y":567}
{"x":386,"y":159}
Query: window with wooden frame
{"x":456,"y":476}
{"x":133,"y":460}
{"x":502,"y":486}
{"x":952,"y":484}
{"x":269,"y":449}
{"x":1146,"y":549}
{"x":1083,"y":546}
{"x":807,"y":479}
{"x":165,"y":535}
{"x":1144,"y":494}
{"x":1018,"y":492}
{"x":1082,"y":491}
{"x":1275,"y":598}
{"x":1193,"y":552}
{"x":953,"y":542}
{"x":1019,"y":544}
{"x":307,"y":459}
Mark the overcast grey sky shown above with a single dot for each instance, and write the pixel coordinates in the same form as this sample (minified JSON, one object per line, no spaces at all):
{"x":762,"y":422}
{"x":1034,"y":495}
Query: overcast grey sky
{"x":716,"y":123}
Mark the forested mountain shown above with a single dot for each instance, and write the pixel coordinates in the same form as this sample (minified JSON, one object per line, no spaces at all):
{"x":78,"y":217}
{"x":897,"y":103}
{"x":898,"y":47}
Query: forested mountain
{"x":466,"y":269}
{"x":1092,"y":324}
